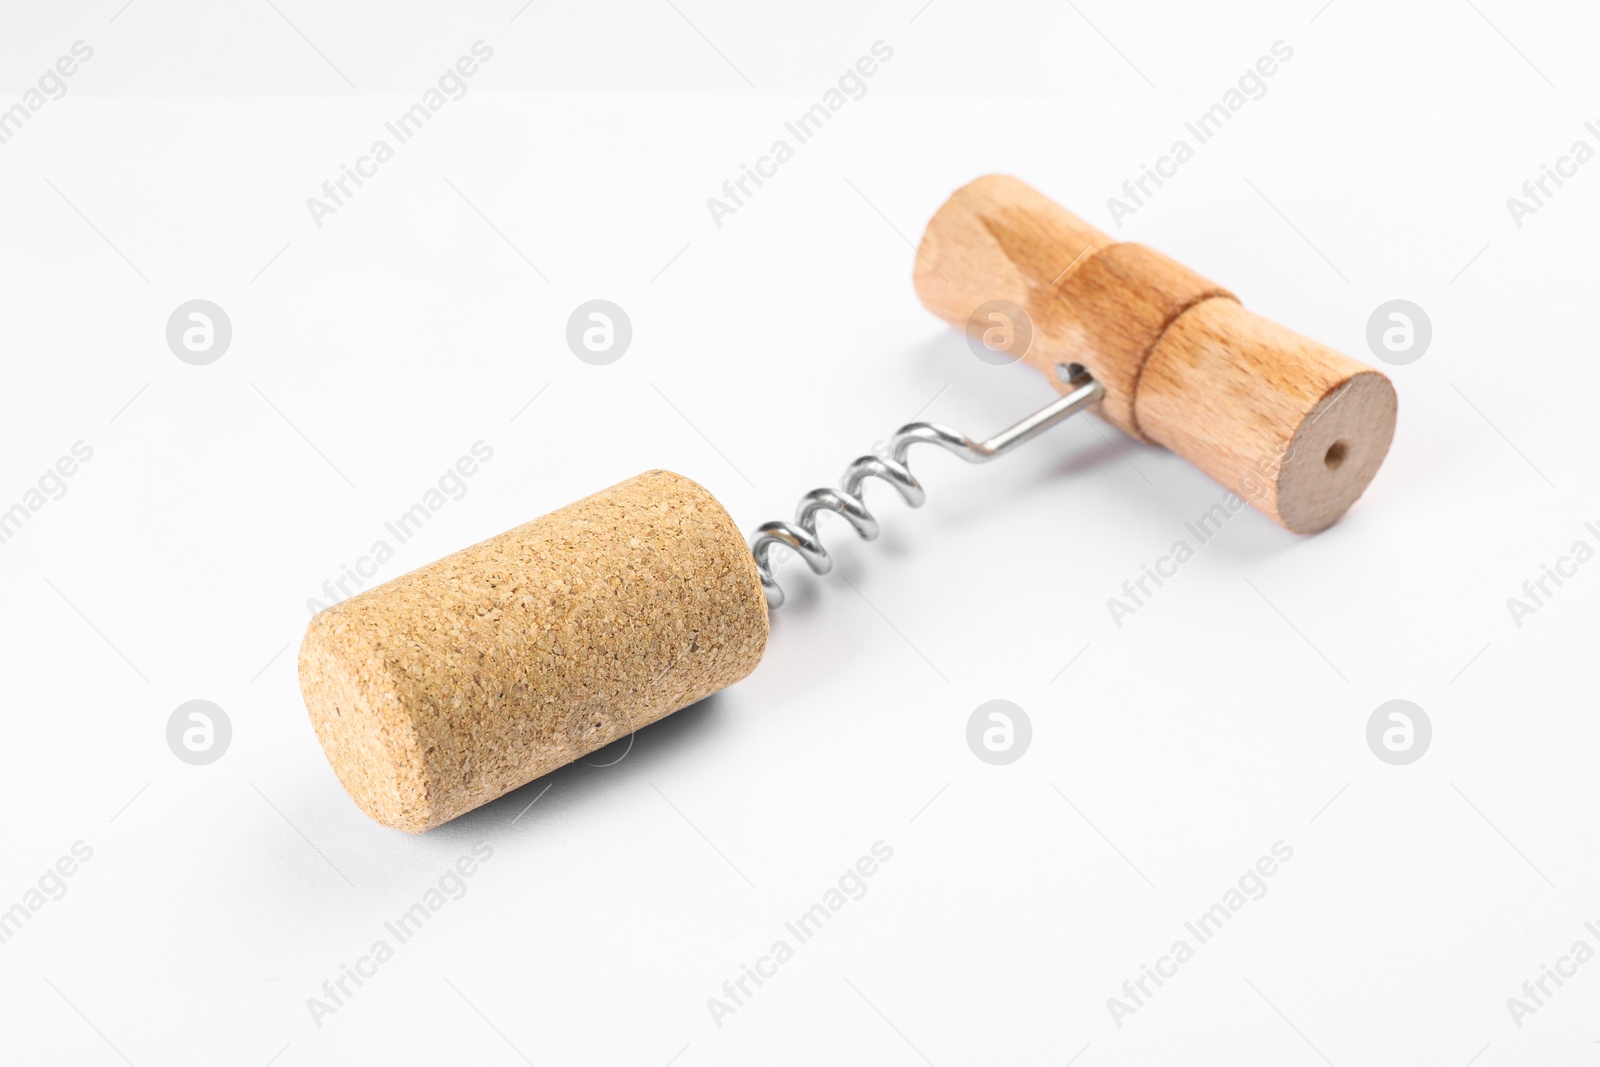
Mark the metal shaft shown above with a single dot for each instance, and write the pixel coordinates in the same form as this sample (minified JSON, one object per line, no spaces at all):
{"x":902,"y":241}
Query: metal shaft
{"x":801,"y":534}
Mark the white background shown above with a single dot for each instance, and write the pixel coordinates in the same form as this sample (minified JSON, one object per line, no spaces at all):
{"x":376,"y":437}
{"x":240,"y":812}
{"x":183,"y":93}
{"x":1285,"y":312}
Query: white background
{"x":1228,"y":714}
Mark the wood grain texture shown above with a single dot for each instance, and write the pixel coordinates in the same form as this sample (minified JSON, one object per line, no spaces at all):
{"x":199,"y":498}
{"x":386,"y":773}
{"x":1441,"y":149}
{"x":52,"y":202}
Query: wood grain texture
{"x":1295,"y":428}
{"x":1109,"y":316}
{"x":1292,"y":426}
{"x":452,"y":685}
{"x":998,"y":238}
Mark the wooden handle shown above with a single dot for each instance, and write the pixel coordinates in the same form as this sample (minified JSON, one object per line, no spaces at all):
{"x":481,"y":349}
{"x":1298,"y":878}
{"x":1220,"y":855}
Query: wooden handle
{"x":1290,"y":426}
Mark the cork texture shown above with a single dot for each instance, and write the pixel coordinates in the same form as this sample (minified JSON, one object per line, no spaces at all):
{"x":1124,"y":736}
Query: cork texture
{"x":458,"y":682}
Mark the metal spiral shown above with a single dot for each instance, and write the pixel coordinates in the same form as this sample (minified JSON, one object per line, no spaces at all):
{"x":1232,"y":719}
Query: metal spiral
{"x":801,"y":534}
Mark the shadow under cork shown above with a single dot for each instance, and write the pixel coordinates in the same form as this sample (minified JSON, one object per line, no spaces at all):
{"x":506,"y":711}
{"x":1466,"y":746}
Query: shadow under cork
{"x":620,"y":764}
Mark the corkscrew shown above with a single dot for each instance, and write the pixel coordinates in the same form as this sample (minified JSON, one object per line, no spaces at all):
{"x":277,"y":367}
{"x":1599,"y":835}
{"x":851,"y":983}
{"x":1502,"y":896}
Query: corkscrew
{"x":460,"y":681}
{"x":801,"y":534}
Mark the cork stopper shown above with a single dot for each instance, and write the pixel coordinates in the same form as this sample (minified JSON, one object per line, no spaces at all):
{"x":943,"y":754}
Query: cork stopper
{"x":454,"y":684}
